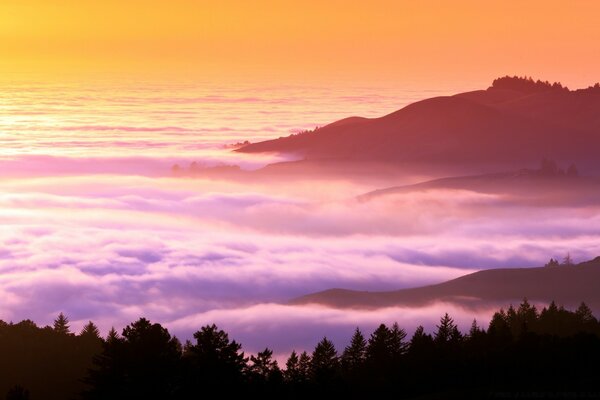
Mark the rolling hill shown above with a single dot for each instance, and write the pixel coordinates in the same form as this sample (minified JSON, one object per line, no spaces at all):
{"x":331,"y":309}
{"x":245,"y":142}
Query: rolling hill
{"x":514,"y":122}
{"x":567,"y":285}
{"x":535,"y":187}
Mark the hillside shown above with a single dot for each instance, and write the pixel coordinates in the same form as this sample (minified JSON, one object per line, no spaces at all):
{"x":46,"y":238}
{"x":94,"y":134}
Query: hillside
{"x":537,"y":186}
{"x":568,"y":285}
{"x":508,"y":124}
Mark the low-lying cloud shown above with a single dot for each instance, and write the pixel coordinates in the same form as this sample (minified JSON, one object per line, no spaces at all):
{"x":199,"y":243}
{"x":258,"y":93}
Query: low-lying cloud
{"x":186,"y":252}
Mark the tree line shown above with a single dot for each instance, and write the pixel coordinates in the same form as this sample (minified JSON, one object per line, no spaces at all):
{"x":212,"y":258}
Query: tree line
{"x":523,"y":350}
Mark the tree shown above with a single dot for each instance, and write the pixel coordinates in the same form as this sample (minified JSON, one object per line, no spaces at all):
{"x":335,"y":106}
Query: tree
{"x":475,"y":330}
{"x":552,"y":263}
{"x":398,"y":345}
{"x":584,"y":314}
{"x":304,"y":366}
{"x":61,"y":325}
{"x":447,"y":331}
{"x":292,"y":368}
{"x":420,"y":341}
{"x":141,"y":364}
{"x":527,"y":316}
{"x":355,"y":353}
{"x":90,"y":330}
{"x":324,"y":362}
{"x":379,"y":349}
{"x":214,"y":361}
{"x":112,"y":336}
{"x":264,"y":366}
{"x":567,"y":261}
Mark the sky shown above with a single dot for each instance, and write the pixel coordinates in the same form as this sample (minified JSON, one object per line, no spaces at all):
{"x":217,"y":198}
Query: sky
{"x":295,"y":41}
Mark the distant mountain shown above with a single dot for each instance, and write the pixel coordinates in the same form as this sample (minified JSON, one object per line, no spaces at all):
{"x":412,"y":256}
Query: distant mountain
{"x":549,"y":185}
{"x":567,"y":285}
{"x":514,"y":122}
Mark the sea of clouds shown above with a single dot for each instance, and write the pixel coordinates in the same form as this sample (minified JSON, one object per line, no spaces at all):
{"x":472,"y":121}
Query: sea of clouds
{"x":92,"y":223}
{"x":187,"y":252}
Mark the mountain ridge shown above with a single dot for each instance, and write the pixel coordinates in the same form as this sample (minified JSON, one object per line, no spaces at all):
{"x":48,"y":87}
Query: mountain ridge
{"x":567,"y":285}
{"x":499,"y":125}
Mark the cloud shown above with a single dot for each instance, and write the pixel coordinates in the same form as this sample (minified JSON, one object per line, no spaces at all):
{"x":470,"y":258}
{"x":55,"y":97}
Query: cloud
{"x":186,"y":252}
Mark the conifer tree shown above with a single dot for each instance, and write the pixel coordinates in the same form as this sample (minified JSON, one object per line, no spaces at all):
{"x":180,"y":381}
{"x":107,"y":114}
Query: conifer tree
{"x":324,"y":361}
{"x":90,"y":330}
{"x":61,"y":325}
{"x":446,"y":330}
{"x":355,"y":353}
{"x":398,"y":345}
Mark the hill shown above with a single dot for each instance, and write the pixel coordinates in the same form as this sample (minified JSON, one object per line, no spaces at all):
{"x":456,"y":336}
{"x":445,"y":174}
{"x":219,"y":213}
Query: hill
{"x":567,"y":285}
{"x":549,"y":185}
{"x":510,"y":123}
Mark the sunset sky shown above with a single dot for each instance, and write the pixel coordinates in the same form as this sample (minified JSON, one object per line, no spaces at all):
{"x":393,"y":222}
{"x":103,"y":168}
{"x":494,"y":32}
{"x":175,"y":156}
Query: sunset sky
{"x":307,"y":40}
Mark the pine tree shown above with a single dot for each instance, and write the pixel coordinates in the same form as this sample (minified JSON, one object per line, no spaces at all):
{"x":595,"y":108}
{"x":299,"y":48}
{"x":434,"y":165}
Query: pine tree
{"x":355,"y":353}
{"x":304,"y":366}
{"x":379,"y":349}
{"x":263,"y":364}
{"x":292,"y":368}
{"x":61,"y":325}
{"x":568,"y":261}
{"x":112,"y":336}
{"x":446,"y":330}
{"x":325,"y":362}
{"x":475,"y":329}
{"x":398,"y":345}
{"x":527,"y":316}
{"x":90,"y":330}
{"x":584,"y":314}
{"x":420,"y":340}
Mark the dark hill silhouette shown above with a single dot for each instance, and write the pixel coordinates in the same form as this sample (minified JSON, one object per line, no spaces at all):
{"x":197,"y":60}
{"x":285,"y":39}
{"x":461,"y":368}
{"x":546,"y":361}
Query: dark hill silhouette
{"x":567,"y":285}
{"x":542,"y":187}
{"x":510,"y":123}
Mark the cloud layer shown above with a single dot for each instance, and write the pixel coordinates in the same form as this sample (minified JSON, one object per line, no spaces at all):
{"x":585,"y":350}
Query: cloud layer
{"x":186,"y":252}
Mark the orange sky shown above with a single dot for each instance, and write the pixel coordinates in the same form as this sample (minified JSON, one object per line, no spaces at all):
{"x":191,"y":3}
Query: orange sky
{"x":403,"y":41}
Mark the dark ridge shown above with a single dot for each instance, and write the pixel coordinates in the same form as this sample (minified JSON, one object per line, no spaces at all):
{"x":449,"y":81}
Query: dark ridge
{"x":567,"y":284}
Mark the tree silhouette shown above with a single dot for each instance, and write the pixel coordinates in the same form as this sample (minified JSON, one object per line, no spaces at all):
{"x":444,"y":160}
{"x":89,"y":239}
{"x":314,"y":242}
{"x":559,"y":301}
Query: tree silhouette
{"x":292,"y":369}
{"x":214,"y":361}
{"x":304,"y":366}
{"x":379,"y":350}
{"x":264,"y":366}
{"x":447,"y":331}
{"x":61,"y":325}
{"x":355,"y":354}
{"x":420,"y":340}
{"x":555,"y":349}
{"x":584,"y":314}
{"x":90,"y":330}
{"x":567,"y":261}
{"x":142,"y":363}
{"x":324,"y":363}
{"x":398,"y":345}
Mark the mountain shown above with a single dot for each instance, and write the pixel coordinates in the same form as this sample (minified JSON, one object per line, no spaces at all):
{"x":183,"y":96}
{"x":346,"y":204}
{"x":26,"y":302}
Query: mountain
{"x":567,"y":285}
{"x":514,"y":122}
{"x":547,"y":186}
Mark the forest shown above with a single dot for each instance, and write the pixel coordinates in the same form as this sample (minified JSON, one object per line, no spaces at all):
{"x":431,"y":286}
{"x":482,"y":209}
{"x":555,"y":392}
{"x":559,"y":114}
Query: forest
{"x":523,"y":353}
